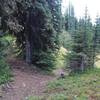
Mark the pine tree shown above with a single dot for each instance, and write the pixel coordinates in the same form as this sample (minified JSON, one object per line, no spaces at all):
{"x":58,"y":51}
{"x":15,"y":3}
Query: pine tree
{"x":32,"y":24}
{"x":96,"y":39}
{"x":88,"y":36}
{"x":70,"y":19}
{"x":81,"y":56}
{"x":55,"y":8}
{"x":30,"y":21}
{"x":78,"y":59}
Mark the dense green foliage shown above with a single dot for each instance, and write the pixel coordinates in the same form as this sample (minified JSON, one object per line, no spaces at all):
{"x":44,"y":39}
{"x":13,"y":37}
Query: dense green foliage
{"x":48,"y":40}
{"x":83,"y":39}
{"x":45,"y":60}
{"x":34,"y":24}
{"x":4,"y":69}
{"x":37,"y":26}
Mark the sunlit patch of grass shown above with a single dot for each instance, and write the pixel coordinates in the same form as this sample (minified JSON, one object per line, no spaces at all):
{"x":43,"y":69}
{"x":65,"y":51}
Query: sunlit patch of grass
{"x":56,"y":96}
{"x":97,"y":63}
{"x":34,"y":98}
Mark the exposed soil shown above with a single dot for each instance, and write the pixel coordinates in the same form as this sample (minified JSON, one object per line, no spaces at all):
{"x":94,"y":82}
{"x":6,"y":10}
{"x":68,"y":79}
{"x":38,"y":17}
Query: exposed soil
{"x":27,"y":82}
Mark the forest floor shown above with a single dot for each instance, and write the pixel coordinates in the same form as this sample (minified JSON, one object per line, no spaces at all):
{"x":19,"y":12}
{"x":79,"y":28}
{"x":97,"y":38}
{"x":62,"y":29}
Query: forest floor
{"x":26,"y":82}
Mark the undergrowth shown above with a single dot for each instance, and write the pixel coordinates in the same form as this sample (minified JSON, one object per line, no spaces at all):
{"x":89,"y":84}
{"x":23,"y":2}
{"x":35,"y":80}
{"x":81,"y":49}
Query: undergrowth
{"x":5,"y":72}
{"x":4,"y":68}
{"x":84,"y":86}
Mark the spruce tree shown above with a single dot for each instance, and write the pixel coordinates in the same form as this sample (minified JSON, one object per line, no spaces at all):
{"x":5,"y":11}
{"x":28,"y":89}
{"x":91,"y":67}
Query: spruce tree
{"x":55,"y":8}
{"x":96,"y":39}
{"x":70,"y":19}
{"x":88,"y":39}
{"x":36,"y":26}
{"x":30,"y":22}
{"x":81,"y":56}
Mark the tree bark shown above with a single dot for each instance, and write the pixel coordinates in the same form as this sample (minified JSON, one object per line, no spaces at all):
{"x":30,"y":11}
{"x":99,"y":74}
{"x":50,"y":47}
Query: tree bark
{"x":28,"y":51}
{"x":82,"y":64}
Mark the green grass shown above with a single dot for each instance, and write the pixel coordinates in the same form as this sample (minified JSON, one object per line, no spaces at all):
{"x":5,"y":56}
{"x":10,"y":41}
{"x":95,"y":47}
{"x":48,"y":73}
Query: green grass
{"x":5,"y":73}
{"x":84,"y":86}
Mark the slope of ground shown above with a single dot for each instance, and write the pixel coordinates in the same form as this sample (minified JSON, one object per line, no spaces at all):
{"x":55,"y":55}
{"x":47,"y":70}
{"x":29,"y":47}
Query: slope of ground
{"x":26,"y":82}
{"x":84,"y":86}
{"x":77,"y":87}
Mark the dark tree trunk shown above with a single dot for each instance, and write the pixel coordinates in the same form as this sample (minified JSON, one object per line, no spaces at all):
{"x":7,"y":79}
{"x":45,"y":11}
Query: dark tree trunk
{"x":28,"y":51}
{"x":82,"y":64}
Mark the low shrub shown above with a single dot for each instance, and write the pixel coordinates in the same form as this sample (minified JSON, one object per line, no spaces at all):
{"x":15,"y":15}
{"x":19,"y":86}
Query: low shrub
{"x":45,"y":60}
{"x":4,"y":69}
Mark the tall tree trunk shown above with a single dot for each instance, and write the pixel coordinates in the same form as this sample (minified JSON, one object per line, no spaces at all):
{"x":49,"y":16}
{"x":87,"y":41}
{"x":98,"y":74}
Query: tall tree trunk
{"x":28,"y":51}
{"x":82,"y":64}
{"x":28,"y":44}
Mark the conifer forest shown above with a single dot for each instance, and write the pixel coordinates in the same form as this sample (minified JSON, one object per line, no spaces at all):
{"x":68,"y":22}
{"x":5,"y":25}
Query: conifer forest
{"x":47,"y":53}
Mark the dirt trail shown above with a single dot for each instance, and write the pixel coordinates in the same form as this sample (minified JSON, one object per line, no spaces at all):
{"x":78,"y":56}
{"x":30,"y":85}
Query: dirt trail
{"x":26,"y":82}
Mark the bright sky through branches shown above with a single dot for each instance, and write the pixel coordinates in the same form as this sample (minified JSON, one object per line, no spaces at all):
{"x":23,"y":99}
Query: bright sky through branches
{"x":79,"y":5}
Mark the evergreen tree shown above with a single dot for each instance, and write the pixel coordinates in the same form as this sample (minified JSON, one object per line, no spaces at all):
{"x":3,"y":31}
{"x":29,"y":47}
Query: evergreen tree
{"x":30,"y":21}
{"x":55,"y":8}
{"x":78,"y":59}
{"x":81,"y":56}
{"x":70,"y":19}
{"x":36,"y":25}
{"x":88,"y":38}
{"x":96,"y":39}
